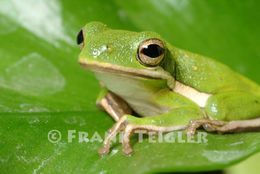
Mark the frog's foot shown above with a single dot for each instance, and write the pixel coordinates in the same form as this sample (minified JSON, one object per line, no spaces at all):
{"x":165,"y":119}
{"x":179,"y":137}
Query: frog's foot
{"x":121,"y":125}
{"x":118,"y":126}
{"x":115,"y":106}
{"x":223,"y":126}
{"x":148,"y":129}
{"x":128,"y":128}
{"x":209,"y":125}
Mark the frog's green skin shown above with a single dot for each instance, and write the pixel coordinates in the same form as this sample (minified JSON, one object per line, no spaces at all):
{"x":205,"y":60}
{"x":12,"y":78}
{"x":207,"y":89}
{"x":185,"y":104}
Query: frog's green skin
{"x":183,"y":87}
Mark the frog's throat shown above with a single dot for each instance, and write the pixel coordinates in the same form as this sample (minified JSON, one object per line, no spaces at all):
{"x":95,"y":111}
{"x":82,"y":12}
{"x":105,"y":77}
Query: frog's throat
{"x":151,"y":73}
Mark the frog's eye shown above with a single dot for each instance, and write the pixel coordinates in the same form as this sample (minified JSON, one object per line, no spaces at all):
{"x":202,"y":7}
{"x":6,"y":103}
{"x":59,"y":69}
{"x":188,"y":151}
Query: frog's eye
{"x":80,"y":39}
{"x":151,"y":52}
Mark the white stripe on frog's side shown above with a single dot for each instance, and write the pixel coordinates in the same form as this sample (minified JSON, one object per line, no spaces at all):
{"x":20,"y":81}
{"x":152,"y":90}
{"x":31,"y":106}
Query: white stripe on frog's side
{"x":200,"y":98}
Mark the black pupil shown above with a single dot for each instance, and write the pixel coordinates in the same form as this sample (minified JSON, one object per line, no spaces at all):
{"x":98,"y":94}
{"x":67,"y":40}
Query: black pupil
{"x":153,"y":51}
{"x":80,"y":37}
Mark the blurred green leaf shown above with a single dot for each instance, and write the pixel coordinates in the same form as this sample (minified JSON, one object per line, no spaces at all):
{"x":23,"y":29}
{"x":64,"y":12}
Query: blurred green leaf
{"x":42,"y":87}
{"x":251,"y":165}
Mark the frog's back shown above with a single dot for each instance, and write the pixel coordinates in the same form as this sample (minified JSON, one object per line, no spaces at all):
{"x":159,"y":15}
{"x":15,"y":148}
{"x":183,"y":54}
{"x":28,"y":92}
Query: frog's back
{"x":208,"y":75}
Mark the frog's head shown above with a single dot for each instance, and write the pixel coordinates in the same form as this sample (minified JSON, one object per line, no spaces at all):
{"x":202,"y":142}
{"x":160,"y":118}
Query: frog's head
{"x":143,"y":54}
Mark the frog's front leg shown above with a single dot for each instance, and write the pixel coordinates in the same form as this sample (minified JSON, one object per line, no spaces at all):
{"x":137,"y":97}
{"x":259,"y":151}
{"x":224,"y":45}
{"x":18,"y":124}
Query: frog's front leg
{"x":115,"y":106}
{"x":166,"y":122}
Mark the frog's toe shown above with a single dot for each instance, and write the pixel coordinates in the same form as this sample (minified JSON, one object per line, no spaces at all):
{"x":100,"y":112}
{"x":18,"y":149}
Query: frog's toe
{"x":191,"y":128}
{"x":127,"y":150}
{"x":104,"y":150}
{"x":190,"y":131}
{"x":210,"y":127}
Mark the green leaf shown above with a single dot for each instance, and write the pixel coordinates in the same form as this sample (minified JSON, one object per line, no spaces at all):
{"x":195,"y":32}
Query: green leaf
{"x":42,"y":87}
{"x":251,"y":165}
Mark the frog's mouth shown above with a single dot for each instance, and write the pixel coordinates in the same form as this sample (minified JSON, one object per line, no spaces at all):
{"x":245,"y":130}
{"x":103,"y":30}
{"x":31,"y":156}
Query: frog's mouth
{"x":151,"y":73}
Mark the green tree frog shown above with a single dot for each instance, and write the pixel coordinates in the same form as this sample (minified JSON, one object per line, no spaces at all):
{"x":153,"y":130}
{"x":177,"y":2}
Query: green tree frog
{"x":167,"y":87}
